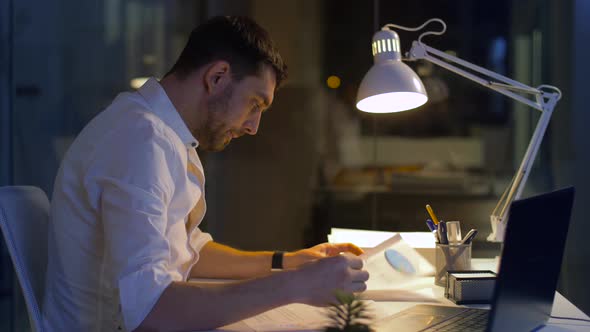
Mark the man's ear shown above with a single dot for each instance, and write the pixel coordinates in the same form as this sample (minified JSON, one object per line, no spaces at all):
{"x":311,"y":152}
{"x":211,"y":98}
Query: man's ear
{"x":217,"y":76}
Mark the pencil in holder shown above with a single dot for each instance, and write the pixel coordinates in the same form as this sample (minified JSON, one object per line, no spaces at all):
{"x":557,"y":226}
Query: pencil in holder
{"x":450,"y":257}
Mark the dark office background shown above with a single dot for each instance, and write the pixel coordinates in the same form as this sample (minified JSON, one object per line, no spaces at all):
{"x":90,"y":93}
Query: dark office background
{"x":63,"y":61}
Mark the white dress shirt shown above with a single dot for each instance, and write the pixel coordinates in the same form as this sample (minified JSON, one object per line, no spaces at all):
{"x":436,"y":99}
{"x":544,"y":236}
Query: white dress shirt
{"x":120,"y":230}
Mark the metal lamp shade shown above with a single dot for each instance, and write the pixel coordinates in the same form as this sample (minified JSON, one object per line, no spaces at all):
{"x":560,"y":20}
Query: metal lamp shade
{"x":390,"y":86}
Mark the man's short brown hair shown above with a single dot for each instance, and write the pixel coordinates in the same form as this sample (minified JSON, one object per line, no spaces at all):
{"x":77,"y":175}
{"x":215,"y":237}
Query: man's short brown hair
{"x":239,"y":40}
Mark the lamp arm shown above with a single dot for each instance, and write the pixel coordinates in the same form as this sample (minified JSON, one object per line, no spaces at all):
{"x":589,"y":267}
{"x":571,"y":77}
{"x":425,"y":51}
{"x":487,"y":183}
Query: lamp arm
{"x":521,"y":176}
{"x":422,"y":51}
{"x":544,"y":101}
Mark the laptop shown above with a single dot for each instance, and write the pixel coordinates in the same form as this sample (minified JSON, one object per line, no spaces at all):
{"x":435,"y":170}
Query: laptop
{"x":530,"y":264}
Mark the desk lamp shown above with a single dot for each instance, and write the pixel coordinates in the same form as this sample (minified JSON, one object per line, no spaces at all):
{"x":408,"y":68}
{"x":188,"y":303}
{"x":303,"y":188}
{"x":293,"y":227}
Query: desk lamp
{"x":392,"y":86}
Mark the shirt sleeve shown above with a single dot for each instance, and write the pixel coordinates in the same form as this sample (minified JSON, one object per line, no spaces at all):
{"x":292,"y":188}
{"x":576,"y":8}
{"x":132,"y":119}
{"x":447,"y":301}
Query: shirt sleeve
{"x":136,"y":188}
{"x":198,"y":239}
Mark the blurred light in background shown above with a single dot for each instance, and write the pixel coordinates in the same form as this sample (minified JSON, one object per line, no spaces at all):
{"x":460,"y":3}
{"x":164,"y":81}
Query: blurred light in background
{"x":333,"y":82}
{"x":137,"y":82}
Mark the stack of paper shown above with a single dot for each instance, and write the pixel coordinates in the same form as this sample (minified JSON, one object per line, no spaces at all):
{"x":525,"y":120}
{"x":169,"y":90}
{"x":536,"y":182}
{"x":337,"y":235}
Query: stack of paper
{"x":301,"y":317}
{"x":292,"y":317}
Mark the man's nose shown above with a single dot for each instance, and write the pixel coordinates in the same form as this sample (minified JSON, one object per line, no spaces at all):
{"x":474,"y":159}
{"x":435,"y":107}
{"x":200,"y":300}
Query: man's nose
{"x":251,"y":127}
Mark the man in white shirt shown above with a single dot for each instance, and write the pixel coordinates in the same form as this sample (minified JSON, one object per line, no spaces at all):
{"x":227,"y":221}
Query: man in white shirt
{"x":129,"y":196}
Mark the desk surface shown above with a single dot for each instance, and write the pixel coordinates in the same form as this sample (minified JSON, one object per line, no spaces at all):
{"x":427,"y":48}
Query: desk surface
{"x":561,"y":307}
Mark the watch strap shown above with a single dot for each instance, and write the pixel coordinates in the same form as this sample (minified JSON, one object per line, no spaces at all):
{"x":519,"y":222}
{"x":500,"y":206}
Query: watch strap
{"x":277,"y":260}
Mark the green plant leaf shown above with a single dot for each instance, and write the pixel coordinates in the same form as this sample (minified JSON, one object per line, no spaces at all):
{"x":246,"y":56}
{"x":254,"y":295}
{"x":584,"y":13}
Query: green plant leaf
{"x":349,"y":314}
{"x":340,"y":316}
{"x":339,"y":308}
{"x":359,"y":328}
{"x":332,"y":329}
{"x":344,"y":297}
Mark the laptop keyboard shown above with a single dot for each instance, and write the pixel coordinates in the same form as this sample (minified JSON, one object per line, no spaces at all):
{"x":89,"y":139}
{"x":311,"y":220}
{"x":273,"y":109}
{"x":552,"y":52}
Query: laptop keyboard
{"x":471,"y":320}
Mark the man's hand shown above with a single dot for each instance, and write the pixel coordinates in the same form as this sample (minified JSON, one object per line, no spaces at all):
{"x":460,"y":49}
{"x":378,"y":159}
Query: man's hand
{"x":316,"y":282}
{"x":300,"y":257}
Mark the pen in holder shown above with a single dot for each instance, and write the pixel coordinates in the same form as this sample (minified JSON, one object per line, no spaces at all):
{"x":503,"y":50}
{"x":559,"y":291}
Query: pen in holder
{"x":450,"y":257}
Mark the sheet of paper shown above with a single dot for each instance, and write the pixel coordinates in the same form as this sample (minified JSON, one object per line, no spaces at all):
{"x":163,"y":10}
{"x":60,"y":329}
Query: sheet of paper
{"x":301,"y":317}
{"x":381,"y":247}
{"x":369,"y":239}
{"x":400,"y":295}
{"x":361,"y":237}
{"x":393,"y":264}
{"x":292,"y":317}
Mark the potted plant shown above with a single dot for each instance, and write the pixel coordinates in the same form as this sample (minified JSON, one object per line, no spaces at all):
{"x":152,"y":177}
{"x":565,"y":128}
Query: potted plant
{"x":348,"y":315}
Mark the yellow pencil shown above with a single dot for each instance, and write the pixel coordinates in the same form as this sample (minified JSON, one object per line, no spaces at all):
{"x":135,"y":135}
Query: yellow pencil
{"x":432,"y":215}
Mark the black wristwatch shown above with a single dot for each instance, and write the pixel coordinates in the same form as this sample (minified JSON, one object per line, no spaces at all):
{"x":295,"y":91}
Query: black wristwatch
{"x":277,"y":260}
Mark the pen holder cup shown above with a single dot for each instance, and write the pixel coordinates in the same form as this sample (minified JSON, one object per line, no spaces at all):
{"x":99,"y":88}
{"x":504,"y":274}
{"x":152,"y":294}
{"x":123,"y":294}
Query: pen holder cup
{"x":450,"y":257}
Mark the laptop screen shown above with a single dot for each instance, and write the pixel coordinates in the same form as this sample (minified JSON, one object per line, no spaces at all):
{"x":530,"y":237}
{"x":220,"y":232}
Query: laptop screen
{"x":531,"y":261}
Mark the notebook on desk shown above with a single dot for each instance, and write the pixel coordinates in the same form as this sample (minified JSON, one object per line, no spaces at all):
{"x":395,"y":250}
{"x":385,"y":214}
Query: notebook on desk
{"x":525,"y":288}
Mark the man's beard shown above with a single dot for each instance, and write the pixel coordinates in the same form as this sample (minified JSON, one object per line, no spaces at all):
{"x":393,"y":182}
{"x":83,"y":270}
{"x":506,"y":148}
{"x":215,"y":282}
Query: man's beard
{"x":214,"y":134}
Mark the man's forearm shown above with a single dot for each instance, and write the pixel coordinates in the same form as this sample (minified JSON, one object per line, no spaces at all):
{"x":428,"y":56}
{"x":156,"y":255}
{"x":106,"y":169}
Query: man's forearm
{"x":184,"y":306}
{"x":220,"y":261}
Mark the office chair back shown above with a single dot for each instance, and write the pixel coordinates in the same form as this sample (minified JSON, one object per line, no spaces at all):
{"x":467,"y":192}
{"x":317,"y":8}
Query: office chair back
{"x":24,"y":217}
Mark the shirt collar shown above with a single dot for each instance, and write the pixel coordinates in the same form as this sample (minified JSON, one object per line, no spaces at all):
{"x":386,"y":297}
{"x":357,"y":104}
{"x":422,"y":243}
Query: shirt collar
{"x":160,"y":104}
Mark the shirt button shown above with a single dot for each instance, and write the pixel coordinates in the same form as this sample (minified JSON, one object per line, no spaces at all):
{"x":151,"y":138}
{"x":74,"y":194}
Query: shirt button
{"x":193,"y":144}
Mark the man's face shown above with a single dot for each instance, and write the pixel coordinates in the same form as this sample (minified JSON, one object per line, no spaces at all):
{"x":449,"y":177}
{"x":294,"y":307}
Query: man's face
{"x":236,"y":110}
